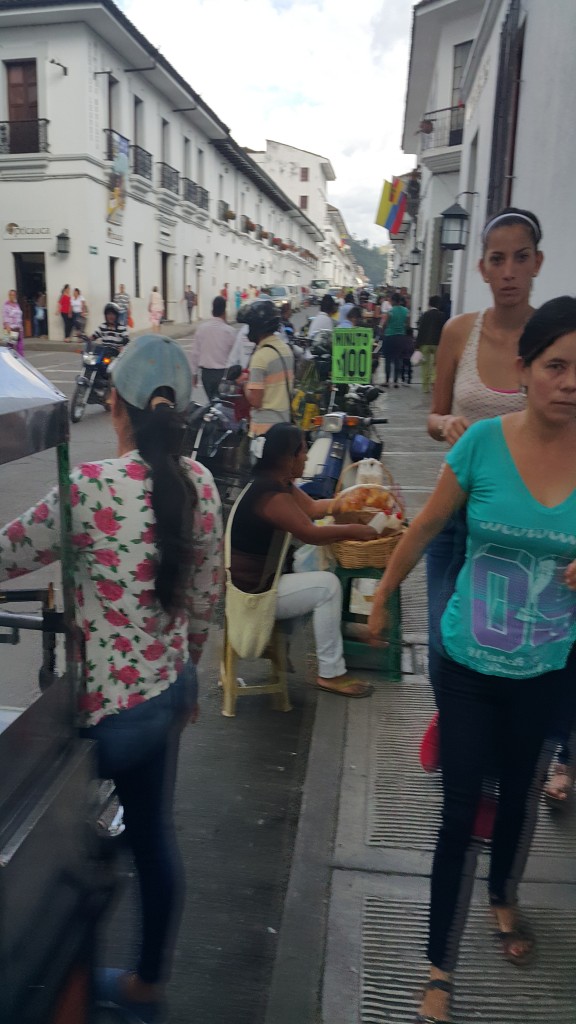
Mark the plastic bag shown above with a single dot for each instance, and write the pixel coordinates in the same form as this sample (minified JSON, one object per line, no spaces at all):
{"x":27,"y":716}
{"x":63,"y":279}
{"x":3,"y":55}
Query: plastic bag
{"x":416,"y":357}
{"x":310,"y":558}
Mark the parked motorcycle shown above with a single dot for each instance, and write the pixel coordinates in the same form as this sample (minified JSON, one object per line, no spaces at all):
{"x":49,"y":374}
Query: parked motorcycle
{"x":217,"y":436}
{"x":343,"y":437}
{"x":93,"y":384}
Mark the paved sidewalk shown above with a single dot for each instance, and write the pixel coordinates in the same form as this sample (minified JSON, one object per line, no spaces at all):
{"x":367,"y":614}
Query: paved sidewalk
{"x":169,"y":330}
{"x":352,"y":945}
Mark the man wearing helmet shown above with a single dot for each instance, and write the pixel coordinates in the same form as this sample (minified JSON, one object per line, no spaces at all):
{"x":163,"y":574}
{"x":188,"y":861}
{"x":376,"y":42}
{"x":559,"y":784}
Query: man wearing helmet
{"x":112,"y":331}
{"x":271,"y":369}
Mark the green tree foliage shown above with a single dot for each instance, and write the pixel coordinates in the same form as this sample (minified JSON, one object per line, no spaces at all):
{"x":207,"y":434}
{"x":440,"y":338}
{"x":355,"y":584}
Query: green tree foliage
{"x":369,"y":257}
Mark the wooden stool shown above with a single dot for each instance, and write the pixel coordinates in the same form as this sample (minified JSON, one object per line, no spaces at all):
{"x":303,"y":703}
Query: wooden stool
{"x":277,"y":687}
{"x":386,"y":660}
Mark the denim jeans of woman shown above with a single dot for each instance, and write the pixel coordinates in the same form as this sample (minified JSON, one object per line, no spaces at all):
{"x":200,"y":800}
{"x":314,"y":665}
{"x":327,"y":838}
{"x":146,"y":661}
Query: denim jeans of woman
{"x":138,"y":749}
{"x":480,"y":714}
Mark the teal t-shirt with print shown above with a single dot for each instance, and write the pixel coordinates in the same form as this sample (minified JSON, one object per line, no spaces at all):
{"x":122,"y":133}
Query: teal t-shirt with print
{"x":511,"y":613}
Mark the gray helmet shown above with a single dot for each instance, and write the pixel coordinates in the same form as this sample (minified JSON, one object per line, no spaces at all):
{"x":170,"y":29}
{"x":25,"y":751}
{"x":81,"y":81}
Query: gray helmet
{"x":261,"y":316}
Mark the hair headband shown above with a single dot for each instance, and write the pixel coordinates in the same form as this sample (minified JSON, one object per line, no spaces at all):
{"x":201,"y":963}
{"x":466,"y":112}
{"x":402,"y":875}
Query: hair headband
{"x":160,"y":400}
{"x":510,"y":216}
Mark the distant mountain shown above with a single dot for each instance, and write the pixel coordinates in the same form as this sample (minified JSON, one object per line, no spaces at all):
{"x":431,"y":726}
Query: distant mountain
{"x":369,"y":257}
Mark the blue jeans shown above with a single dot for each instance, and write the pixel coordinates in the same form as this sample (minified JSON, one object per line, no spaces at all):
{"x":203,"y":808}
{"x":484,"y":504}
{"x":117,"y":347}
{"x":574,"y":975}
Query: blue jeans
{"x":138,"y":749}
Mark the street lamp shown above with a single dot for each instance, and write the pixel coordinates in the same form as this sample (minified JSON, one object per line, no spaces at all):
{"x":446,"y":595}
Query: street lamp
{"x":455,"y":226}
{"x":415,"y":257}
{"x":63,"y":243}
{"x":199,"y":263}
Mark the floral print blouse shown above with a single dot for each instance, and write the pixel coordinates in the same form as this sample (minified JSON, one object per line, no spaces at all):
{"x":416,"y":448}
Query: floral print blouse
{"x":133,"y":650}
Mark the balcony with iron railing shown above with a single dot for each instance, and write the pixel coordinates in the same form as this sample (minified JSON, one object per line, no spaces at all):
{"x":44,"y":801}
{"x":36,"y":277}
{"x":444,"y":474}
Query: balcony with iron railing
{"x":169,"y":179}
{"x":442,"y":128}
{"x":115,"y":144}
{"x":193,"y":193}
{"x":141,"y":162}
{"x":20,"y":137}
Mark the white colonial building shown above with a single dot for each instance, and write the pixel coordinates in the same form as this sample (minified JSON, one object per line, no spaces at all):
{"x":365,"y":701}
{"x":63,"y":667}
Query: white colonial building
{"x":489,"y":89}
{"x":114,"y":170}
{"x":304,"y":177}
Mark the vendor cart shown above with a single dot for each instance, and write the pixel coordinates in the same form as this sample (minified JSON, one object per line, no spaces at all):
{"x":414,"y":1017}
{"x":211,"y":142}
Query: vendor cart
{"x":56,"y":877}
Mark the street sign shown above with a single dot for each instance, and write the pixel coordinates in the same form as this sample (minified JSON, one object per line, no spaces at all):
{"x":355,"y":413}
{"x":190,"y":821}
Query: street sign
{"x":351,"y":355}
{"x":93,"y":250}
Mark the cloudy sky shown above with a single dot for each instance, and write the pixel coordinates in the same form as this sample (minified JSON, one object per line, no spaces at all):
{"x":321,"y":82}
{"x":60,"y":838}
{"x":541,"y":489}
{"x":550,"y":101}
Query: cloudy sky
{"x":324,"y":75}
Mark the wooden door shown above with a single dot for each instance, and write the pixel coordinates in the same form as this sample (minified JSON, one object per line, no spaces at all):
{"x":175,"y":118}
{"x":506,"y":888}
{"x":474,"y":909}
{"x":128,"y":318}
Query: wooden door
{"x":23,"y":106}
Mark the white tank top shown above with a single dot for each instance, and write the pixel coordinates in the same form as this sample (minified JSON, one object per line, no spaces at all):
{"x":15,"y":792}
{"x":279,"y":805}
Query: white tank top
{"x":471,"y":398}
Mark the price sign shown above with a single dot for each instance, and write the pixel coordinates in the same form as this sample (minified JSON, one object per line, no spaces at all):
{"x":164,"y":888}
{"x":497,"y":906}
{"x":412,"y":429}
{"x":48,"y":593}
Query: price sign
{"x":352,"y":355}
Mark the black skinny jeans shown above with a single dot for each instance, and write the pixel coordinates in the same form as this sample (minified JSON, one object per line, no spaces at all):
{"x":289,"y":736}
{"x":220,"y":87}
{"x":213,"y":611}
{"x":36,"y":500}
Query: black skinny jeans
{"x":482,"y":719}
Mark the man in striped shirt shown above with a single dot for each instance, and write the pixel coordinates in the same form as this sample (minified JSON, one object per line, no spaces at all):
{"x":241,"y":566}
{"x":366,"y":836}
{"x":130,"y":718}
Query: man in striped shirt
{"x":271,"y":369}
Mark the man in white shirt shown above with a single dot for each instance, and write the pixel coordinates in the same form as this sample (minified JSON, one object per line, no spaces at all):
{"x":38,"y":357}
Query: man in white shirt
{"x":212,"y":345}
{"x":323,"y":320}
{"x":345,"y":308}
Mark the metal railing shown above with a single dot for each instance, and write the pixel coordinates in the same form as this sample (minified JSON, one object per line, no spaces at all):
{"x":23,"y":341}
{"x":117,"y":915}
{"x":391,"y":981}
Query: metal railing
{"x":223,"y":208}
{"x":115,"y":144}
{"x":440,"y":128}
{"x":141,"y":162}
{"x":169,"y":178}
{"x":24,"y":136}
{"x":194,"y":193}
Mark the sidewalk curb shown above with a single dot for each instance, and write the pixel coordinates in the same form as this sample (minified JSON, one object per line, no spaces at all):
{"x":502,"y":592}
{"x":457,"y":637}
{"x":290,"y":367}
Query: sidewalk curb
{"x":174,"y":331}
{"x":296,"y":989}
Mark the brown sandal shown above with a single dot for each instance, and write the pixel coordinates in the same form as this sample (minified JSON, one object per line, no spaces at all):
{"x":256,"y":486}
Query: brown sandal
{"x":559,"y":788}
{"x":521,"y":933}
{"x":341,"y":689}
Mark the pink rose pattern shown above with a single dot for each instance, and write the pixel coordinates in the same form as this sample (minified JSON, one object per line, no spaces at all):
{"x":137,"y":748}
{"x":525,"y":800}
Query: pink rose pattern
{"x":133,"y":650}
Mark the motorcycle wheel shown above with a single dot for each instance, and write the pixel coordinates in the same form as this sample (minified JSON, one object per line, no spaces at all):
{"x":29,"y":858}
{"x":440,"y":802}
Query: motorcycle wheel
{"x":78,"y":405}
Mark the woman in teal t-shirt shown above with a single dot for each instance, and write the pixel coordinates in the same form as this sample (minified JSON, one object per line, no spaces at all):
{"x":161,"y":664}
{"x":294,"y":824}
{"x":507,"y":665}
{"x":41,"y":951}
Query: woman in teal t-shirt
{"x":394,"y":330}
{"x":508,"y":632}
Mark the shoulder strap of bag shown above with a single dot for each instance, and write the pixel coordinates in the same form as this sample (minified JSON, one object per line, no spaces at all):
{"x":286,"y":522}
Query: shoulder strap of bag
{"x":285,"y":368}
{"x":228,"y":545}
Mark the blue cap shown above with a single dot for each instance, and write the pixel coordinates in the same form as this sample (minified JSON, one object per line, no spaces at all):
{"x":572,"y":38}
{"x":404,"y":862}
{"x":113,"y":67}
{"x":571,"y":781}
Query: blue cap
{"x":148,"y":363}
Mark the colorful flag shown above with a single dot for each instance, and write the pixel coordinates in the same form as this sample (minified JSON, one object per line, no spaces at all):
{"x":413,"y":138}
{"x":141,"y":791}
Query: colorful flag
{"x":400,"y":211}
{"x":385,"y":204}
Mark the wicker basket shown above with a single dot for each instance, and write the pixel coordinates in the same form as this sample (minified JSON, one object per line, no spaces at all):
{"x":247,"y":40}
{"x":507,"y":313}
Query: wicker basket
{"x":366,"y":514}
{"x":366,"y":554}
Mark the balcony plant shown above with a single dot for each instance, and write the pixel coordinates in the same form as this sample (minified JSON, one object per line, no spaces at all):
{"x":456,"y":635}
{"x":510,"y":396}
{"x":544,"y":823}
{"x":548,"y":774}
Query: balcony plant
{"x":264,"y":234}
{"x":426,"y":126}
{"x":250,"y":225}
{"x":230,"y":215}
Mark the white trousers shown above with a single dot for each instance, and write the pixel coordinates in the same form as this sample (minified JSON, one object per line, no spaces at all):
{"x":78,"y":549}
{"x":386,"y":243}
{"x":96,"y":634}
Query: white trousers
{"x":320,"y":593}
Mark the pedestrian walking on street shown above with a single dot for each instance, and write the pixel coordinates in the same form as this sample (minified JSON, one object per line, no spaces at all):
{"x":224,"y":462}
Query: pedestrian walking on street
{"x":394,"y":327}
{"x":147,"y":531}
{"x":508,"y":659}
{"x":65,"y":310}
{"x":190,"y":300}
{"x":40,"y":326}
{"x":122,"y":300}
{"x":476,"y":378}
{"x":13,"y":321}
{"x":237,"y":299}
{"x":155,"y":309}
{"x":429,"y":330}
{"x":79,"y":312}
{"x":271,"y":370}
{"x":406,"y":349}
{"x":211,"y":348}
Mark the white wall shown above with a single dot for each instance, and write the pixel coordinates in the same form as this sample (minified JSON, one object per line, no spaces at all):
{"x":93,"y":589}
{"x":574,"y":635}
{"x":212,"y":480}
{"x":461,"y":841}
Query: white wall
{"x":459,"y":31}
{"x":67,"y":188}
{"x":283,"y":163}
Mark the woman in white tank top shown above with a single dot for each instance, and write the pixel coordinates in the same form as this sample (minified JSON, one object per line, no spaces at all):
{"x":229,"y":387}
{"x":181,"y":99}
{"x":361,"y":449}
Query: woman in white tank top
{"x":477,"y":378}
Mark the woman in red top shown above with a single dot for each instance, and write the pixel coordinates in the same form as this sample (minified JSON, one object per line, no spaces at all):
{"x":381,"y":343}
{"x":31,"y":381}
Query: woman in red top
{"x":65,"y":310}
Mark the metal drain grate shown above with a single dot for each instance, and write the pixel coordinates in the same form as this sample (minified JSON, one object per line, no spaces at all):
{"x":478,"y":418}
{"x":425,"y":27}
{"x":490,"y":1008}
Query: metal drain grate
{"x":403,"y":805}
{"x":489,"y":991}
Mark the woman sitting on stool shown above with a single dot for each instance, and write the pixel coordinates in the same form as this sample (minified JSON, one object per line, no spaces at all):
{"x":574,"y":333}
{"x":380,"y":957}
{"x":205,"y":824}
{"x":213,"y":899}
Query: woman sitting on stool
{"x":271,"y":505}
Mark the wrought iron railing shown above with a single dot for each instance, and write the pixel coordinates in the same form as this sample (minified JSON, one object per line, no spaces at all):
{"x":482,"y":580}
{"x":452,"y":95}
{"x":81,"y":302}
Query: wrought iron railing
{"x":24,"y":136}
{"x":115,"y":144}
{"x":194,"y":193}
{"x":141,"y":162}
{"x":223,"y":209}
{"x":440,"y":128}
{"x":169,"y":178}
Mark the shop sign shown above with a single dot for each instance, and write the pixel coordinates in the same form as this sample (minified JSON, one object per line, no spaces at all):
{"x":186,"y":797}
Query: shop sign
{"x":22,"y":230}
{"x":115,"y":236}
{"x":352,"y":355}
